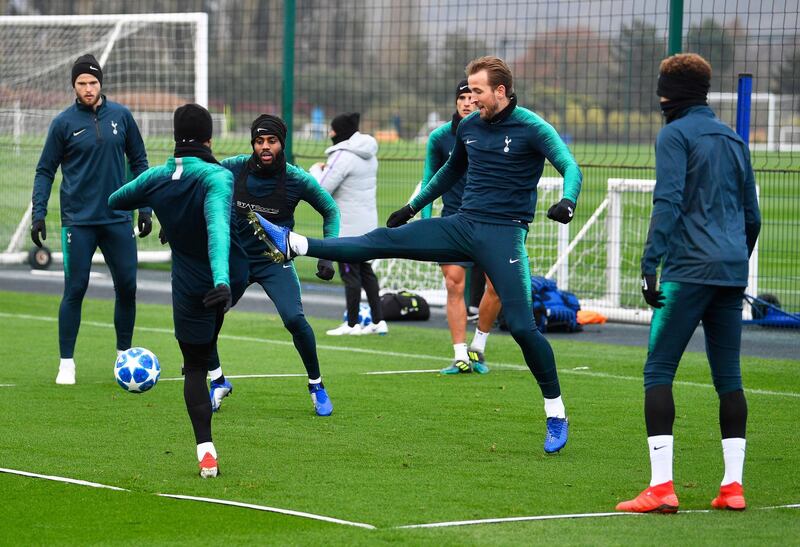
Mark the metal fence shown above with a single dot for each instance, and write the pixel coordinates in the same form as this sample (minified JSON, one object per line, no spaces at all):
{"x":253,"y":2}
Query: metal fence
{"x":587,"y":66}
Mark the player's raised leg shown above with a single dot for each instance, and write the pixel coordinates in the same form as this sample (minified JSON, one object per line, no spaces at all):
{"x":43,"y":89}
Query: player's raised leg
{"x":433,"y":239}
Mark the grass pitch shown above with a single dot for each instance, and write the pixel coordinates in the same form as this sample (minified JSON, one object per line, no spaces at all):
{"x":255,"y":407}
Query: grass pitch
{"x":400,"y":449}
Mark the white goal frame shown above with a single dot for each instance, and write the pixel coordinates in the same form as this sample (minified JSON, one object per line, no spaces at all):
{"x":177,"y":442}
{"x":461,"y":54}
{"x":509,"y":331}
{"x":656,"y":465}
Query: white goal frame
{"x":610,"y":304}
{"x":13,"y":253}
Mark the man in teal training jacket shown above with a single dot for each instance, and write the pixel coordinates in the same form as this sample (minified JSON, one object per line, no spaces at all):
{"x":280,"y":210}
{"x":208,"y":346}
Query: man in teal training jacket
{"x":191,"y":195}
{"x":703,"y":228}
{"x":502,"y":148}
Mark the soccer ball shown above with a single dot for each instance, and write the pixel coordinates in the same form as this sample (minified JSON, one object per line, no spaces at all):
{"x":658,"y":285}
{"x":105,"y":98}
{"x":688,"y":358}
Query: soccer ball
{"x":137,"y":370}
{"x":364,"y":315}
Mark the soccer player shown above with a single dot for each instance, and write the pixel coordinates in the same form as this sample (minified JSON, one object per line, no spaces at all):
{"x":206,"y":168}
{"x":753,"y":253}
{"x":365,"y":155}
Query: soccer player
{"x":440,"y":143}
{"x":264,"y":182}
{"x":191,"y":194}
{"x":90,"y":141}
{"x":351,"y":176}
{"x":704,"y":226}
{"x":502,"y":147}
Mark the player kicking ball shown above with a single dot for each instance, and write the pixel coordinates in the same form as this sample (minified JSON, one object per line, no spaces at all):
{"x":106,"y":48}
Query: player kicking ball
{"x":502,"y":148}
{"x":191,"y":195}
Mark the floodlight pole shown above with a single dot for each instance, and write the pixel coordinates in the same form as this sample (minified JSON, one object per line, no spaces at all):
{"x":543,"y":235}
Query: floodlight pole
{"x":675,"y":27}
{"x":287,"y":101}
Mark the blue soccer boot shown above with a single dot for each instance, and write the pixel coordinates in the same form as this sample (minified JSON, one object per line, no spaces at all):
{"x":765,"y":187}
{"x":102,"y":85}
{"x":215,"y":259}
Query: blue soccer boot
{"x":322,"y":403}
{"x":275,"y":237}
{"x":217,"y":392}
{"x":556,"y":436}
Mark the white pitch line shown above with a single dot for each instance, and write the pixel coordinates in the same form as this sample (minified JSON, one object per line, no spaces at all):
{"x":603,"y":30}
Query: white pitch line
{"x":302,"y":514}
{"x":568,"y":516}
{"x":61,"y":479}
{"x":414,"y":371}
{"x":289,"y":512}
{"x":581,"y":371}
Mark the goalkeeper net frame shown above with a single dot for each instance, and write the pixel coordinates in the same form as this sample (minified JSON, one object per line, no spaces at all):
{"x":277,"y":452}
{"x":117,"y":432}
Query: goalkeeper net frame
{"x":152,"y":63}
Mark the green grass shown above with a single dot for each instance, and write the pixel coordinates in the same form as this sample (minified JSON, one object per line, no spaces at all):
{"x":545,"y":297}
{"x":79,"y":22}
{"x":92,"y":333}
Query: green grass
{"x":399,"y":449}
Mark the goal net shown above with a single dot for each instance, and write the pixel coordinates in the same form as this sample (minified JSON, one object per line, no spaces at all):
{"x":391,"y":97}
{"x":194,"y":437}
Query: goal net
{"x":152,"y":63}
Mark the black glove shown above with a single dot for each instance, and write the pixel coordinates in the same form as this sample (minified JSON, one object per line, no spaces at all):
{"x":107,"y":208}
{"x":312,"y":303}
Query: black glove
{"x":652,"y":296}
{"x":562,"y":211}
{"x":219,"y":296}
{"x":145,"y":224}
{"x":162,"y":237}
{"x":38,"y":230}
{"x":325,"y":269}
{"x":400,"y":217}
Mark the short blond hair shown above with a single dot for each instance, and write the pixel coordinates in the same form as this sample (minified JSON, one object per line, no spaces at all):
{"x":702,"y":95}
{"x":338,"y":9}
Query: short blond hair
{"x":496,"y":69}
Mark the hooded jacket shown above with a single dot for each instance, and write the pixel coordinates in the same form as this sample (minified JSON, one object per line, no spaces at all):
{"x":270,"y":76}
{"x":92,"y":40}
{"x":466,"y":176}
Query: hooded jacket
{"x":351,"y":176}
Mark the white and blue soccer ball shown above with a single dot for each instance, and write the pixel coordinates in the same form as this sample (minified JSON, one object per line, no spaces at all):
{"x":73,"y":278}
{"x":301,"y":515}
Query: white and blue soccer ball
{"x":137,"y":370}
{"x":364,"y":315}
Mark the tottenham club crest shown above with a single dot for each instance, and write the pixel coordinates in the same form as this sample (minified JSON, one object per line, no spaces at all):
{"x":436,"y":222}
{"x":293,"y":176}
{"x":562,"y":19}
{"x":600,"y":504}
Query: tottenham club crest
{"x":114,"y":126}
{"x":507,"y":143}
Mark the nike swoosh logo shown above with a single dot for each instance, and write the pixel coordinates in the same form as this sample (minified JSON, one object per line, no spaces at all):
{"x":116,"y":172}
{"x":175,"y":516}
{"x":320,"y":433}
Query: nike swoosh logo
{"x":659,"y":447}
{"x":76,"y":133}
{"x":512,"y":261}
{"x":570,"y":211}
{"x":471,"y":141}
{"x":287,"y":266}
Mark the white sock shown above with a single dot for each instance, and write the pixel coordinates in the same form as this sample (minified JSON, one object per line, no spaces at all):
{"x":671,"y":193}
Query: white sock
{"x":460,"y":351}
{"x":660,"y":458}
{"x":733,"y":455}
{"x":298,"y":244}
{"x":67,"y":363}
{"x":479,"y":340}
{"x":215,"y":374}
{"x":203,"y":448}
{"x":554,"y":408}
{"x":315,"y":381}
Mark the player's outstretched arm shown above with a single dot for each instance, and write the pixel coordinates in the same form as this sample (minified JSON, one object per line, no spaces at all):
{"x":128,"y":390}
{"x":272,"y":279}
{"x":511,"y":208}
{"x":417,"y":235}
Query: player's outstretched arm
{"x":322,"y":202}
{"x":445,"y":178}
{"x":217,"y":211}
{"x":132,"y":195}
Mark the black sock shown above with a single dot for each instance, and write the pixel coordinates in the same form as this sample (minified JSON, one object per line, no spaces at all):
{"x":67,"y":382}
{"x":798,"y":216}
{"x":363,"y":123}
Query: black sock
{"x":733,"y":415}
{"x":198,"y":404}
{"x":659,"y":410}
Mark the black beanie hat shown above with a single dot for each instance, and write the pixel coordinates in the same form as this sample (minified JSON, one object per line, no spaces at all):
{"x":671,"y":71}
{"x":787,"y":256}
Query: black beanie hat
{"x":463,"y":87}
{"x":345,"y":125}
{"x":267,"y":124}
{"x":87,"y":64}
{"x":192,"y":122}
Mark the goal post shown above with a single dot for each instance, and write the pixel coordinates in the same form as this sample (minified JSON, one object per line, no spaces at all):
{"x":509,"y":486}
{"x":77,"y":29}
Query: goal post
{"x":152,"y":63}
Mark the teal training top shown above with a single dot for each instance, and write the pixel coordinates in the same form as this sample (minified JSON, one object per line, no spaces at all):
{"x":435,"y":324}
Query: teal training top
{"x":299,"y":186}
{"x":503,"y":159}
{"x":440,"y":144}
{"x":90,"y":146}
{"x":192,"y":199}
